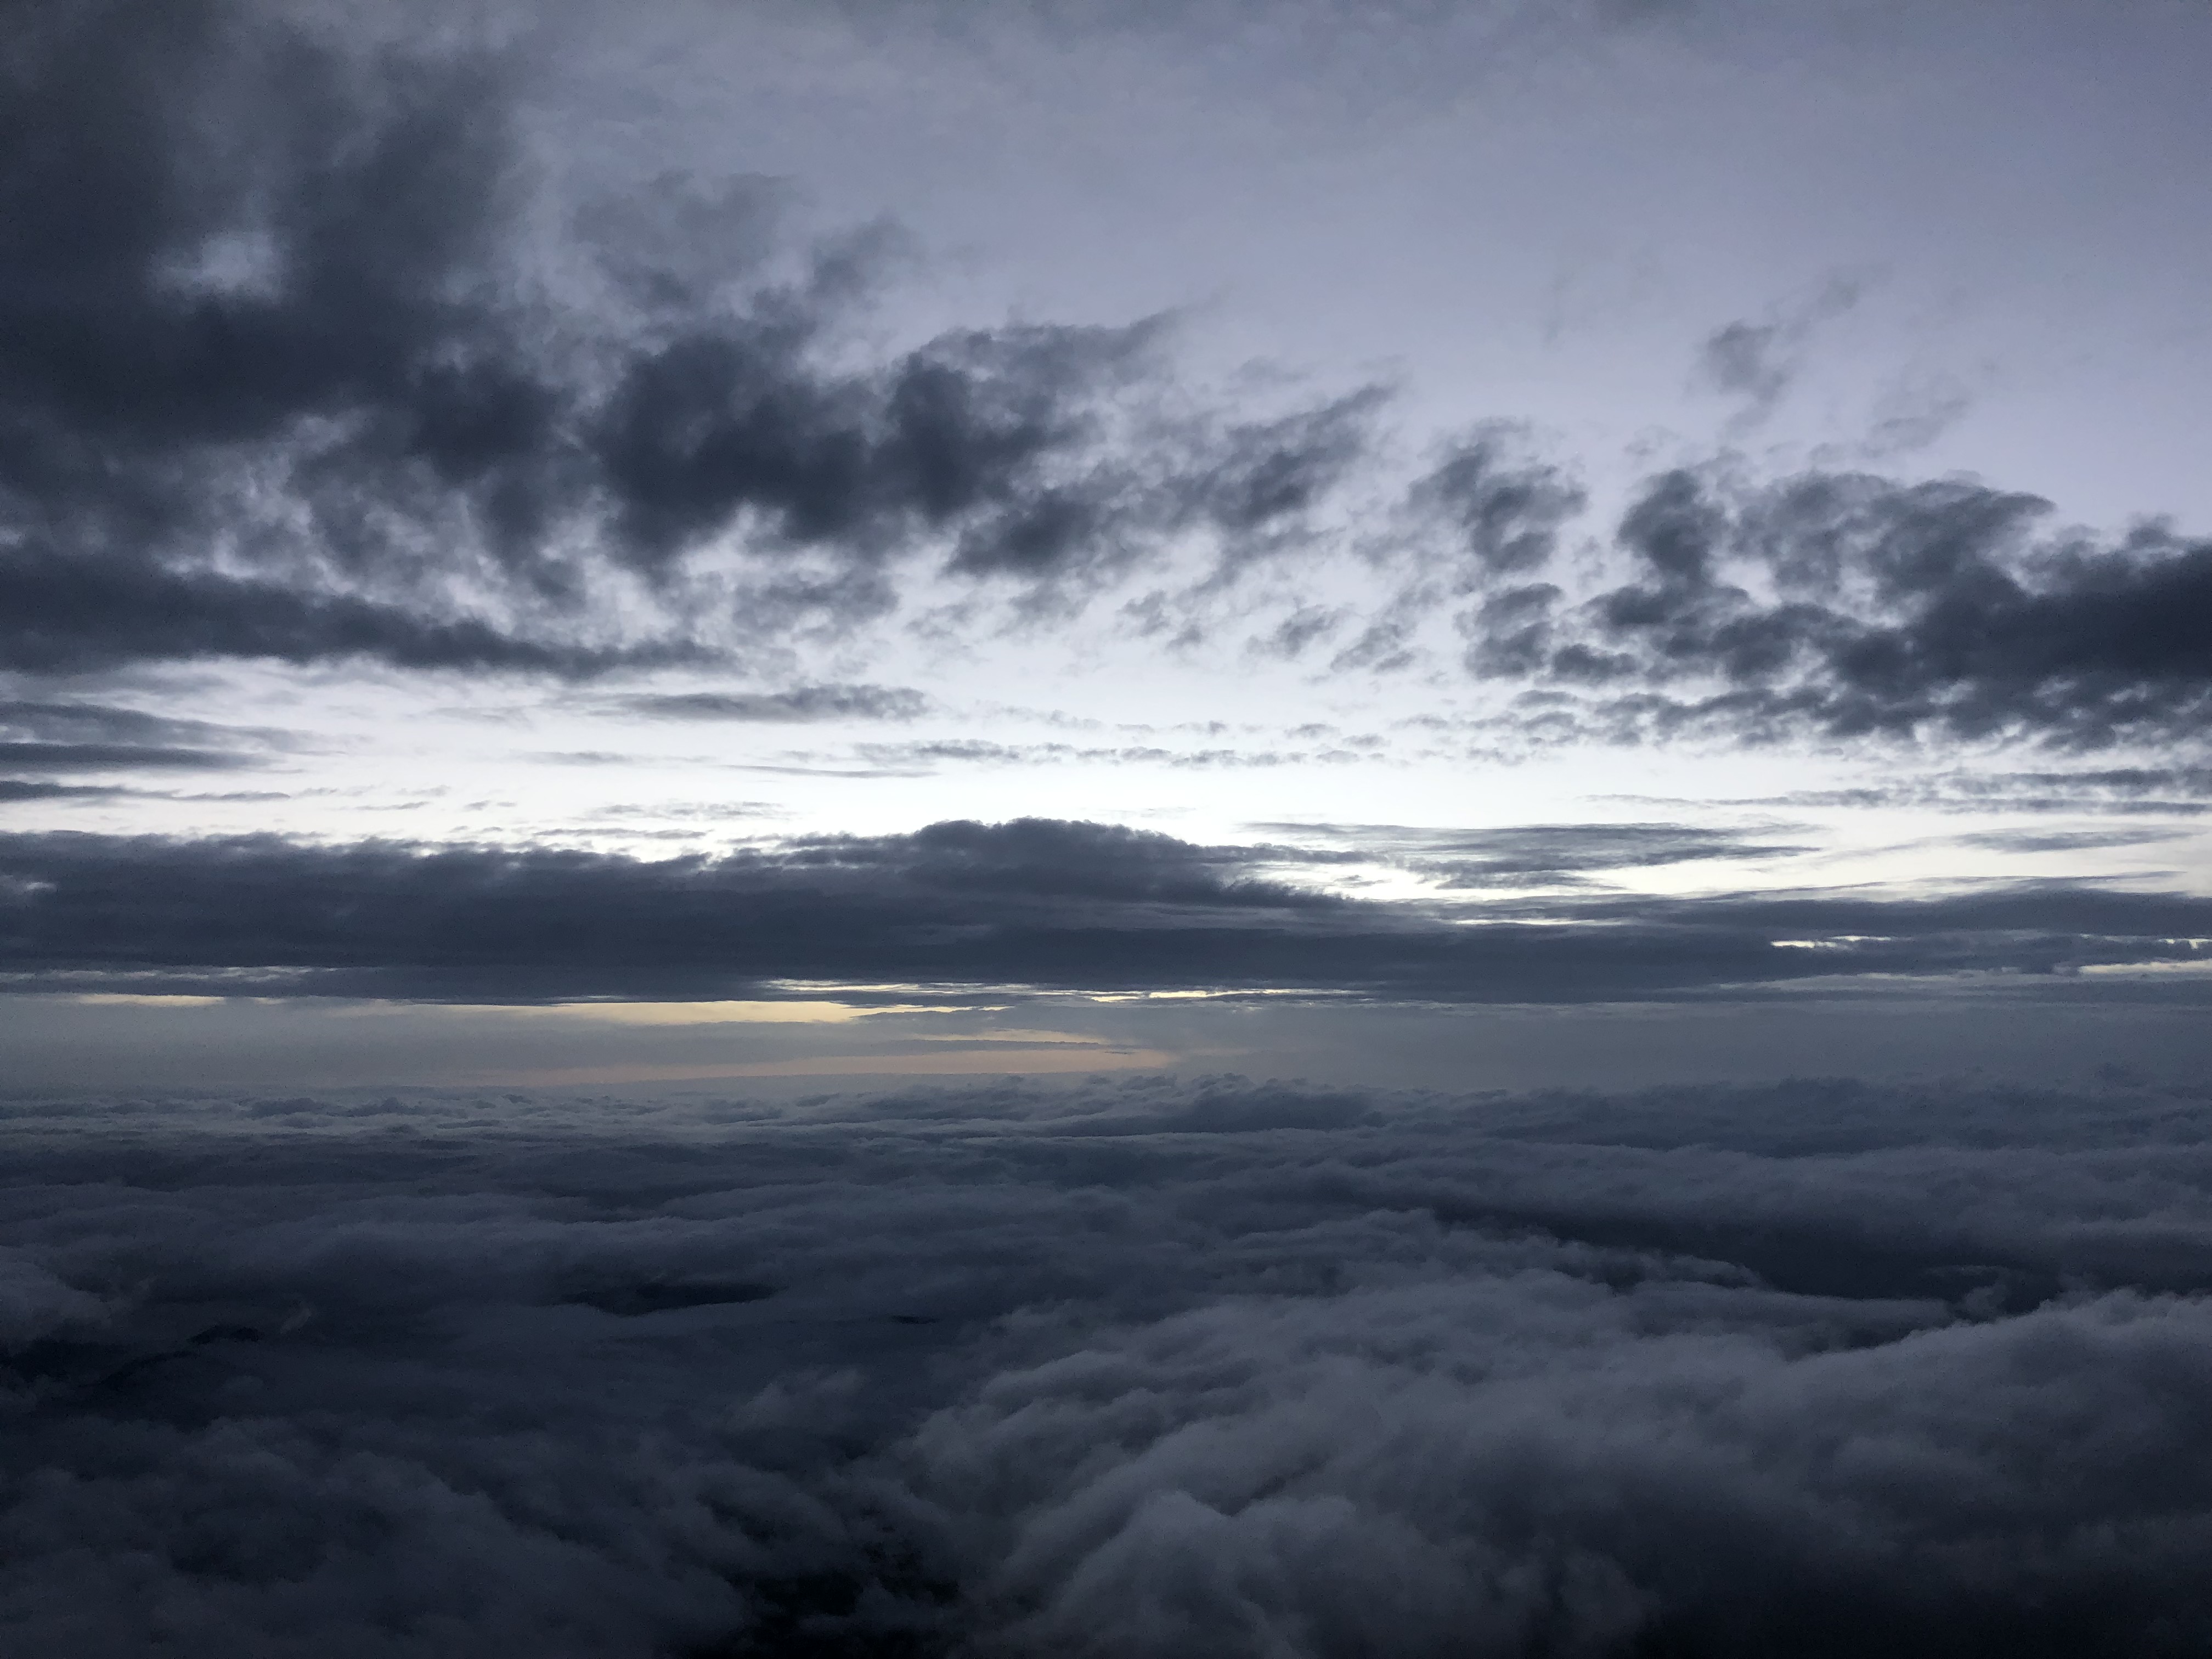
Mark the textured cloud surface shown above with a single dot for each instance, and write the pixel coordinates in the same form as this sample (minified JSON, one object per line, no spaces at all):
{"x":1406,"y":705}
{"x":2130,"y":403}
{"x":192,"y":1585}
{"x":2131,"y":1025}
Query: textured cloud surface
{"x":1038,"y":903}
{"x":1154,"y":1369}
{"x":763,"y":545}
{"x":287,"y":371}
{"x":307,"y":353}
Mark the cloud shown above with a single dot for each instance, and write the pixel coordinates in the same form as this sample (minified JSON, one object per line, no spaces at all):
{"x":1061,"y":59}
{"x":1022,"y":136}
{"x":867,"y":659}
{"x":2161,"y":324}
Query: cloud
{"x":86,"y":722}
{"x":111,"y":757}
{"x":1853,"y":607}
{"x":799,"y":705}
{"x":12,"y":789}
{"x":2171,"y":791}
{"x":1147,"y":1368}
{"x":302,"y":358}
{"x":1741,"y":359}
{"x":44,"y":738}
{"x":1034,"y":902}
{"x":1537,"y":854}
{"x":289,"y":372}
{"x":1758,"y":362}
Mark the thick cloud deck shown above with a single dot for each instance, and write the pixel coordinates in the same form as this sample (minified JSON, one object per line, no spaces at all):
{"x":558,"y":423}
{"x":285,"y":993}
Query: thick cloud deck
{"x":1152,"y":1369}
{"x":1035,"y":902}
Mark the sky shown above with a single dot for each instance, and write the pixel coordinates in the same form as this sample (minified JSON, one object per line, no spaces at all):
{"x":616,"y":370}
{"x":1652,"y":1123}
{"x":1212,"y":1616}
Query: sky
{"x":1716,"y":478}
{"x":747,"y":691}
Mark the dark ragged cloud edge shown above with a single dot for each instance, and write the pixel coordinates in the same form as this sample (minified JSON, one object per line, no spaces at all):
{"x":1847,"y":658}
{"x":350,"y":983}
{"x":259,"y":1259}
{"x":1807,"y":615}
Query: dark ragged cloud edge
{"x":279,"y":379}
{"x":1033,"y":902}
{"x":52,"y":739}
{"x":1843,"y":606}
{"x":112,"y":757}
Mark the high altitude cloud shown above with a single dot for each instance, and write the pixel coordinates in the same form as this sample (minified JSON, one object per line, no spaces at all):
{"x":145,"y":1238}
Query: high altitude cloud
{"x":1142,"y":1371}
{"x":1032,"y":903}
{"x":287,"y":370}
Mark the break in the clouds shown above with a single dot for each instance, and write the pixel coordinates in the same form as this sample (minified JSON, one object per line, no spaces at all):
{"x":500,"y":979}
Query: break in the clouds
{"x":1130,"y":1370}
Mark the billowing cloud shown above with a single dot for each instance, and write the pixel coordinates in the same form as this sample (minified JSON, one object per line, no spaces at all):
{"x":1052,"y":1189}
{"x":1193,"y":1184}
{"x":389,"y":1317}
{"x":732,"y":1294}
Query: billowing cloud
{"x":288,"y":371}
{"x":1146,"y":1369}
{"x":1849,"y":605}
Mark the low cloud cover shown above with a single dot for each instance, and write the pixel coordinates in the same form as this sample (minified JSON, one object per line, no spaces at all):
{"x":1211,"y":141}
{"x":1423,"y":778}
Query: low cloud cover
{"x":1147,"y":1368}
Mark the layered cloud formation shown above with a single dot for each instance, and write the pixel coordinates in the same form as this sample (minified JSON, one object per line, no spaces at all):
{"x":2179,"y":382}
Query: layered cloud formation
{"x":786,"y":664}
{"x":289,"y":374}
{"x":1034,"y":902}
{"x":1145,"y":1370}
{"x":309,"y":351}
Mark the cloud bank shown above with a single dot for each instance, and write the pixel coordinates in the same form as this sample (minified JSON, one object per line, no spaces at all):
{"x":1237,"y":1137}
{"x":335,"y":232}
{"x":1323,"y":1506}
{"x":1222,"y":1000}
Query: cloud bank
{"x":1146,"y":1368}
{"x":1032,"y":903}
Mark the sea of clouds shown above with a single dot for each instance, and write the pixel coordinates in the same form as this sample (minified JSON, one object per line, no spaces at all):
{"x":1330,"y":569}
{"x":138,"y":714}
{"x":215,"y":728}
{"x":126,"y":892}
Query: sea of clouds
{"x":1144,"y":1367}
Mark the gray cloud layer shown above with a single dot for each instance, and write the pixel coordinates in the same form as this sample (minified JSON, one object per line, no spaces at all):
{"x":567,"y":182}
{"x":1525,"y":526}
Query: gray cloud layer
{"x":1145,"y":1369}
{"x":290,"y":368}
{"x":1035,"y":902}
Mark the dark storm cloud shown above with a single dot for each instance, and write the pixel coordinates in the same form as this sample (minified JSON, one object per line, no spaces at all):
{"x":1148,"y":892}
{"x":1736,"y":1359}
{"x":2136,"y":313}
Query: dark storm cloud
{"x":1852,"y":607}
{"x":283,"y":375}
{"x":1148,"y":1370}
{"x":1032,"y":903}
{"x":798,"y":706}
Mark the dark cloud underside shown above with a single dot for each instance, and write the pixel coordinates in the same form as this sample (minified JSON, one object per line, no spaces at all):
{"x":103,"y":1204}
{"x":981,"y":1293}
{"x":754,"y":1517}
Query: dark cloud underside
{"x":279,"y":379}
{"x":288,"y":371}
{"x":1033,"y":902}
{"x":1849,"y":606}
